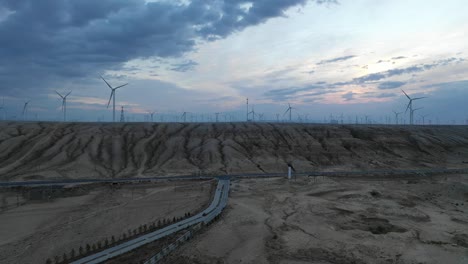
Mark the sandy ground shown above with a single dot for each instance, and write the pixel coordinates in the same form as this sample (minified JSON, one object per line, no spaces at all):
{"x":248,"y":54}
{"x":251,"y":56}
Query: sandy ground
{"x":41,"y":228}
{"x":105,"y":150}
{"x":338,"y":221}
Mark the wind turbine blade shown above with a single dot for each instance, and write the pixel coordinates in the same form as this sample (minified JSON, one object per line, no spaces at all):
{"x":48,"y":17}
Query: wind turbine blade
{"x":419,"y":98}
{"x":406,"y":94}
{"x":120,"y":86}
{"x":286,"y":111}
{"x":110,"y":98}
{"x":408,"y":107}
{"x":106,"y":82}
{"x":59,"y":94}
{"x":68,"y":93}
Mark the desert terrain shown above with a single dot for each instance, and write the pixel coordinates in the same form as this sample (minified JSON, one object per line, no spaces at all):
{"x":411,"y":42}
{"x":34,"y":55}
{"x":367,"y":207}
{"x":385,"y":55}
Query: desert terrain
{"x":105,"y":150}
{"x":306,"y":220}
{"x":323,"y":220}
{"x":39,"y":223}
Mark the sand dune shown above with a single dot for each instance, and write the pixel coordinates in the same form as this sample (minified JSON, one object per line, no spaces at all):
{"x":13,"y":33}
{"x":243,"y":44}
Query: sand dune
{"x":104,"y":150}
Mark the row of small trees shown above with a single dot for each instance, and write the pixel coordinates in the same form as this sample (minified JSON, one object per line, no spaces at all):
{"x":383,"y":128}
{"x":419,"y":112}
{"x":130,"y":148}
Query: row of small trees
{"x":89,"y":249}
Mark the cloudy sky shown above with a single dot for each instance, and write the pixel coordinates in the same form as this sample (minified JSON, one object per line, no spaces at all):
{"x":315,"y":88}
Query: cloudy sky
{"x":323,"y":57}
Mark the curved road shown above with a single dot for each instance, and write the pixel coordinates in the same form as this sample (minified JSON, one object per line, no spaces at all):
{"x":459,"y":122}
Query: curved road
{"x":215,"y":208}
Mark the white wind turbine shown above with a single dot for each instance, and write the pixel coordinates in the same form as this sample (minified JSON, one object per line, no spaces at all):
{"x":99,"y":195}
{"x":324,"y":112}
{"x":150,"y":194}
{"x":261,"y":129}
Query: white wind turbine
{"x":290,"y":112}
{"x":112,"y":96}
{"x":64,"y":104}
{"x":410,"y":106}
{"x":25,"y":109}
{"x":151,"y":114}
{"x":414,"y":110}
{"x":423,"y":117}
{"x":253,"y":113}
{"x":184,"y":116}
{"x":396,"y":116}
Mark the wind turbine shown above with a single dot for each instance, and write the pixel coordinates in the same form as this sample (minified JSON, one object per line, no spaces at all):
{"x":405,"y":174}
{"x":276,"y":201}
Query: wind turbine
{"x":253,"y":113}
{"x":247,"y":110}
{"x":112,"y":96}
{"x":424,"y":118}
{"x":396,"y":116}
{"x":25,"y":108}
{"x":290,"y":112}
{"x":64,"y":104}
{"x":217,"y":114}
{"x":260,"y":117}
{"x":410,"y":105}
{"x":414,"y":110}
{"x":151,"y":115}
{"x":184,"y":116}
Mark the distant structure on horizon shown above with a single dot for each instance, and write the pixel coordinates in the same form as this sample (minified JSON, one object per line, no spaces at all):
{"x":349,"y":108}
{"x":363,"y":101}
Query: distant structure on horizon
{"x":122,"y":115}
{"x":64,"y":104}
{"x":112,"y":96}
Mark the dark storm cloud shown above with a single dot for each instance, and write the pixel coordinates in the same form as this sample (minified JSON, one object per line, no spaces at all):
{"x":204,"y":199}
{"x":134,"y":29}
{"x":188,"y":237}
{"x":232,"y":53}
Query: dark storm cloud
{"x":390,"y":85}
{"x":293,"y":92}
{"x":184,"y":67}
{"x":52,"y":40}
{"x":379,"y":95}
{"x":408,"y":70}
{"x":336,"y":59}
{"x":348,"y":96}
{"x":463,"y":84}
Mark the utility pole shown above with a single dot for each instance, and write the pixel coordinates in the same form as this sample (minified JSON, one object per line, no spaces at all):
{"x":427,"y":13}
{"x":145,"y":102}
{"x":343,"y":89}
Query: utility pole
{"x":122,"y":116}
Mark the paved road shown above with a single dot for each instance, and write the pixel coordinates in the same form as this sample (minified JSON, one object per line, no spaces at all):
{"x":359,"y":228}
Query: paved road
{"x":215,"y":208}
{"x":257,"y":175}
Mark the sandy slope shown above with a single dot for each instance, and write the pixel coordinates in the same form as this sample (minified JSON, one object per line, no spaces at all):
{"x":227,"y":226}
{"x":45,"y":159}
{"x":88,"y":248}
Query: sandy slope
{"x":42,"y":228}
{"x":83,"y":150}
{"x":345,"y":221}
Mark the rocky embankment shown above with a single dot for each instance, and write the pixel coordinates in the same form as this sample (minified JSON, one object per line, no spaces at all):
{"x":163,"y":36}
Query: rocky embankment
{"x":104,"y":150}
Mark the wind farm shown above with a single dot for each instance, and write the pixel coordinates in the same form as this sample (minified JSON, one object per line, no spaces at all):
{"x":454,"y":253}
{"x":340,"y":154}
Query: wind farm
{"x":209,"y":132}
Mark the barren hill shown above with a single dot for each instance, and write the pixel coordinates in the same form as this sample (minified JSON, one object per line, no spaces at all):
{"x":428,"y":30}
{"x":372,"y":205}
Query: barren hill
{"x":105,"y":150}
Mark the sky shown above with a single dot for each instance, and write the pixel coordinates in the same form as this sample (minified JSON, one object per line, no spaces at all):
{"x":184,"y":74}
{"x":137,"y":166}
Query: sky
{"x":326,"y":58}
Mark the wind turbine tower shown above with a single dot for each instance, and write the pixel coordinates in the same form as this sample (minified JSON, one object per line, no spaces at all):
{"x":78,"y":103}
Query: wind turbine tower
{"x":410,"y":106}
{"x":64,"y":104}
{"x":112,"y":96}
{"x":217,"y":115}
